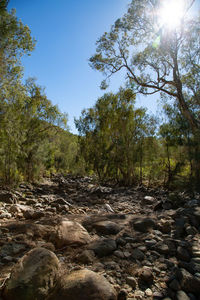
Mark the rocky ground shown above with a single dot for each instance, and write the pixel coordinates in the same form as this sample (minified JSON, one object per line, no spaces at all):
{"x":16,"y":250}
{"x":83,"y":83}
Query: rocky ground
{"x":69,"y":238}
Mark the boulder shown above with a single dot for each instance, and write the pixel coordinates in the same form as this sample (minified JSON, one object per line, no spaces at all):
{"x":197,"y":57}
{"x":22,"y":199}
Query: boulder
{"x":192,"y":267}
{"x":188,"y":282}
{"x":69,"y":233}
{"x":143,"y":224}
{"x":38,"y":214}
{"x":148,"y":200}
{"x":183,"y":254}
{"x":33,"y":276}
{"x":146,"y":275}
{"x":28,"y":214}
{"x":158,"y":206}
{"x":131,"y":281}
{"x":33,"y":214}
{"x":174,"y":285}
{"x":7,"y":197}
{"x":137,"y":254}
{"x":107,"y":227}
{"x":86,"y":257}
{"x":83,"y":285}
{"x":162,"y":248}
{"x":103,"y":247}
{"x":165,"y":226}
{"x":181,"y":295}
{"x":122,"y":295}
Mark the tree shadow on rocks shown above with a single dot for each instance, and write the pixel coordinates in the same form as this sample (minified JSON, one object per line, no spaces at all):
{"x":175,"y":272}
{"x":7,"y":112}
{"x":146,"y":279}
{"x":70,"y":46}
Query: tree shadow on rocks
{"x":183,"y":256}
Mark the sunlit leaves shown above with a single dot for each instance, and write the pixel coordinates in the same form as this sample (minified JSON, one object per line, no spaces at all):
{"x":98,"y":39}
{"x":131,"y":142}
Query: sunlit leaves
{"x":154,"y":58}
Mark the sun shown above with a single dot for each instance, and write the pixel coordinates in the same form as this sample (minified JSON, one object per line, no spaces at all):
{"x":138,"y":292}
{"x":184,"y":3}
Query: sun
{"x":171,"y":13}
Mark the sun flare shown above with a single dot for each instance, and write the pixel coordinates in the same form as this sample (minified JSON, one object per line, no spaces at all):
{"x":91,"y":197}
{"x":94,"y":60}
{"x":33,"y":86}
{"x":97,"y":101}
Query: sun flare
{"x":171,"y":13}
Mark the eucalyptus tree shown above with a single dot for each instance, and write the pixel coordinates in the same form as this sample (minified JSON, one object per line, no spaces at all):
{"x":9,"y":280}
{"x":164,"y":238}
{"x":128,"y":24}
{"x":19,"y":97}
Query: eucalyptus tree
{"x":112,"y":134}
{"x":40,"y":121}
{"x":28,"y":119}
{"x":15,"y":41}
{"x":181,"y":147}
{"x":157,"y":43}
{"x":28,"y":123}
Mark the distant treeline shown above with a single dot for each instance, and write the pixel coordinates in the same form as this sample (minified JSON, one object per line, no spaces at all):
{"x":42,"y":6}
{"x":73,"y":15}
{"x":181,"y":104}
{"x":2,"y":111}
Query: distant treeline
{"x":124,"y":144}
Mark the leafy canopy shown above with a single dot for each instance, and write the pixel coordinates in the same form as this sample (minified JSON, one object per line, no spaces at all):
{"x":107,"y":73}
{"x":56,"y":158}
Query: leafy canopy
{"x":15,"y":41}
{"x":156,"y":58}
{"x":111,"y":135}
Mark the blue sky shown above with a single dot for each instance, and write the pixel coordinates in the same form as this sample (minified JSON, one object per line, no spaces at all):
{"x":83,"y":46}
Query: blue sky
{"x":66,"y":32}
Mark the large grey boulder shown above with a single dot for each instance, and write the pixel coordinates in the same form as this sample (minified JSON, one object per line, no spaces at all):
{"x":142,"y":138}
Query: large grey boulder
{"x":83,"y":285}
{"x":33,"y":276}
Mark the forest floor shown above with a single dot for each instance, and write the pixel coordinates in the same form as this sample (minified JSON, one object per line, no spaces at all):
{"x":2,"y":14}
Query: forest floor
{"x":145,"y":242}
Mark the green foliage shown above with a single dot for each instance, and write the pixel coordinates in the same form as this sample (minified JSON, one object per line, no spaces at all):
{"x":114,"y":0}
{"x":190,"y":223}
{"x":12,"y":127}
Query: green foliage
{"x":28,"y":120}
{"x":155,"y":59}
{"x":66,"y":154}
{"x":15,"y":41}
{"x":181,"y":148}
{"x":112,"y":136}
{"x":158,"y":59}
{"x":29,"y":123}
